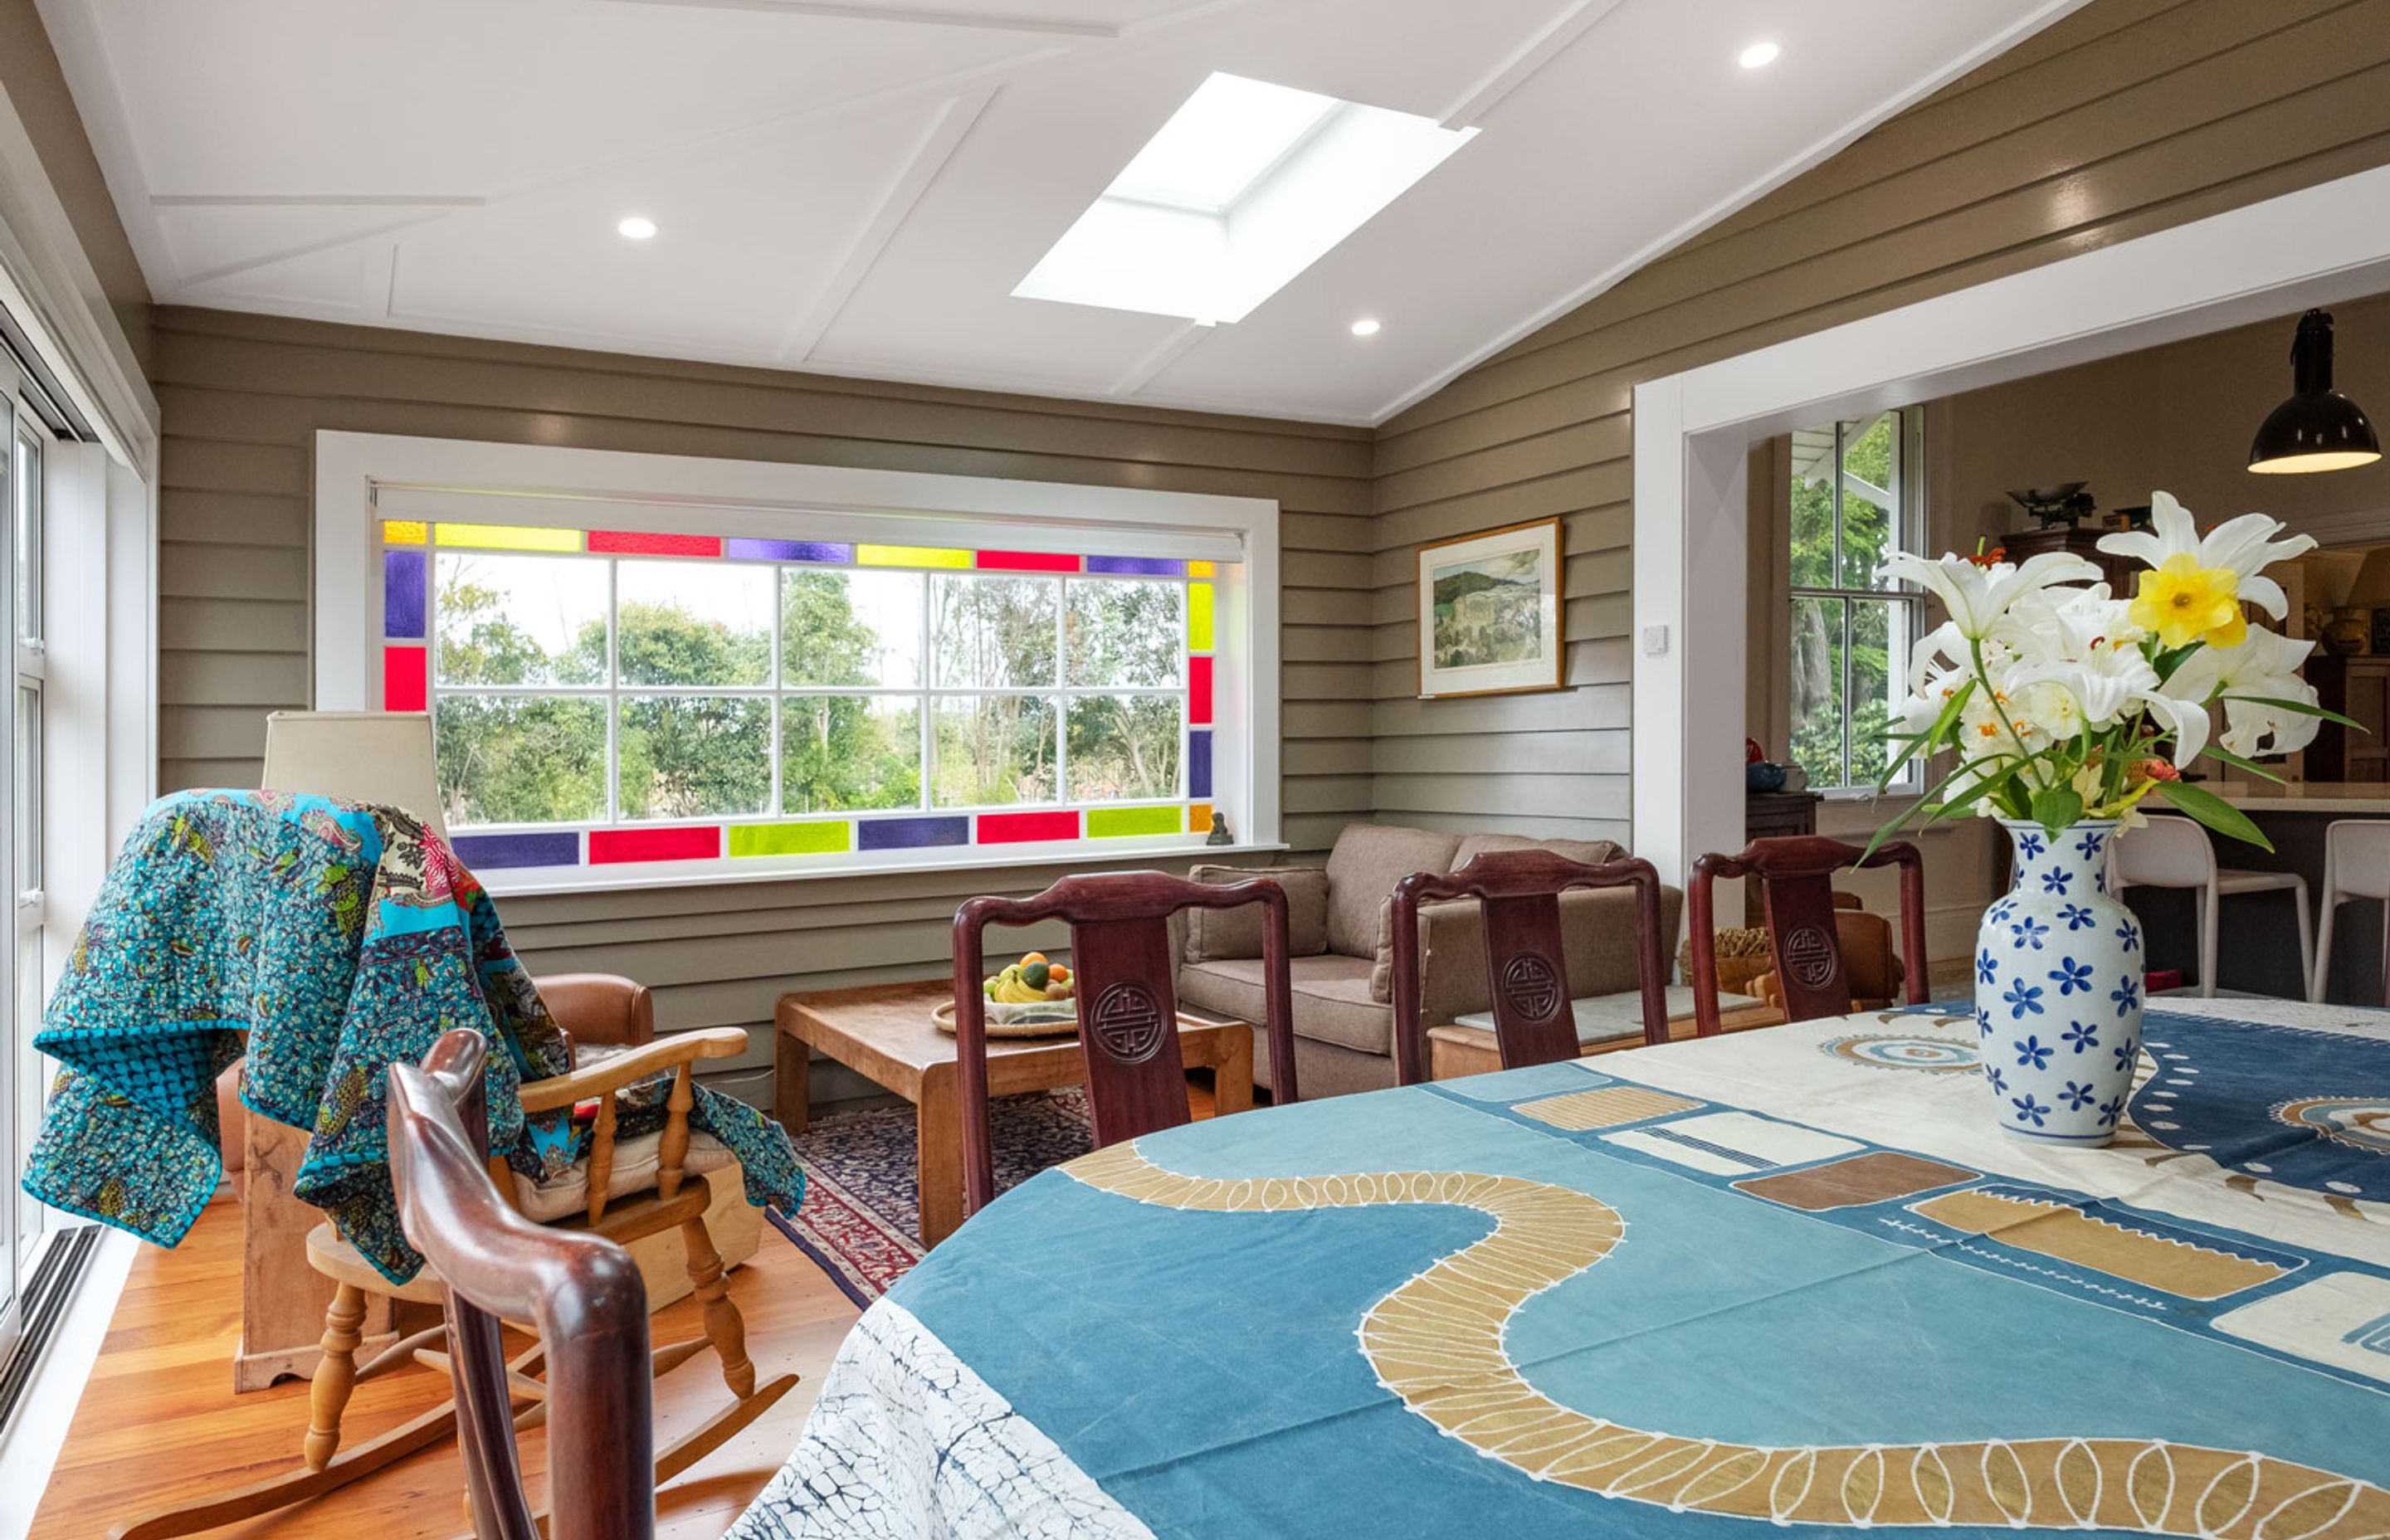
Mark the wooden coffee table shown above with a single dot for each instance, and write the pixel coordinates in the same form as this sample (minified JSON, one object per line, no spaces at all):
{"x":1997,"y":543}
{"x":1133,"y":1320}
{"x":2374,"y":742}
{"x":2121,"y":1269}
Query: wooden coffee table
{"x":883,"y":1033}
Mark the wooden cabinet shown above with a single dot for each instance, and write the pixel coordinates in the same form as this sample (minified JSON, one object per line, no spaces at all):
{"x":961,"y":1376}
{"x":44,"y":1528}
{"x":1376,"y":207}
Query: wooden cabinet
{"x":2118,"y":572}
{"x":1771,"y":815}
{"x":2358,"y":688}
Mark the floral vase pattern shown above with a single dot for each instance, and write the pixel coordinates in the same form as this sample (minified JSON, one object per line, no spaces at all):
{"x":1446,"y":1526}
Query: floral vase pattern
{"x":2058,"y":989}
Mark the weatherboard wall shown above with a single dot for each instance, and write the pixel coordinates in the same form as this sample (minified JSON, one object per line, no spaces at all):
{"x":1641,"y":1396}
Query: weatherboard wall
{"x":2126,"y":117}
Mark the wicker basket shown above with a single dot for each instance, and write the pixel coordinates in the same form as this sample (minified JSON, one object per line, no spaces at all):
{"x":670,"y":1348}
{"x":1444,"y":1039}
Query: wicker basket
{"x":1742,"y":955}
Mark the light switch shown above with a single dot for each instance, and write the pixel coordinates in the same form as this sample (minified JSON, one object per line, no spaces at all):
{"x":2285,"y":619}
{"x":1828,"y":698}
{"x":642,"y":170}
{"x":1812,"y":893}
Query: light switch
{"x":1656,"y":641}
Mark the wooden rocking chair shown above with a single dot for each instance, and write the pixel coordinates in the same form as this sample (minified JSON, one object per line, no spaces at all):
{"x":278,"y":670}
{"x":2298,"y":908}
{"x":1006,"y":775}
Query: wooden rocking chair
{"x":679,"y":1200}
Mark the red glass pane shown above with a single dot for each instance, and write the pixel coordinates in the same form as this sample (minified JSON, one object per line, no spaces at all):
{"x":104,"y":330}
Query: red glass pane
{"x":611,"y":846}
{"x":403,"y":670}
{"x":635,"y":542}
{"x":1198,"y":690}
{"x":1010,"y":828}
{"x":1027,"y":561}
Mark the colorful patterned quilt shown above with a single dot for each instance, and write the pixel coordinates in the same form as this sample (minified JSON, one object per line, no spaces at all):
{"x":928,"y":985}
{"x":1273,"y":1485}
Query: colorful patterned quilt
{"x":342,"y":939}
{"x":1784,"y":1281}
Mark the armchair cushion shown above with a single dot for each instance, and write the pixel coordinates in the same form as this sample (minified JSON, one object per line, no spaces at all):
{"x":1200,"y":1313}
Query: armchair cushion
{"x":1213,"y":933}
{"x":1590,"y":853}
{"x":1362,"y":870}
{"x":1332,"y":999}
{"x":635,"y":1171}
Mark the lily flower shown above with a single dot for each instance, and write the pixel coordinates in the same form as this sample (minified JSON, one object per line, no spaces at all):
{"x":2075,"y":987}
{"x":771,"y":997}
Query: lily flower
{"x":1980,"y":597}
{"x":2244,"y":546}
{"x":2263,"y":664}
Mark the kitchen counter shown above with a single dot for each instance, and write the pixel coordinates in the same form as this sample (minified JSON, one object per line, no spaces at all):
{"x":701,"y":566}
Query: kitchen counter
{"x":2341,"y":799}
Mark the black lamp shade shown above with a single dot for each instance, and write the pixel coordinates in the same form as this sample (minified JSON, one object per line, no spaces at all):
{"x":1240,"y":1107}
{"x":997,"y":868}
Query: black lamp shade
{"x":2316,"y":428}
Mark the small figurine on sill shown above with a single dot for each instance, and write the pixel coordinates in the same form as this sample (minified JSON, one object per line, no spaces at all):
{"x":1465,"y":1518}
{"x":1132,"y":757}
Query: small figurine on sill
{"x":1220,"y":835}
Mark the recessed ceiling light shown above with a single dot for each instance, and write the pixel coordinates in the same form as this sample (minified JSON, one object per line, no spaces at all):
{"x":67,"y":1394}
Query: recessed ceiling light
{"x":1245,"y":185}
{"x":1759,"y":55}
{"x":638,"y":228}
{"x":1366,"y":327}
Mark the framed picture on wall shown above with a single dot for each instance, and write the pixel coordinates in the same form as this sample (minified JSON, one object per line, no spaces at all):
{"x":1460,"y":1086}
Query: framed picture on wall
{"x":1490,"y":613}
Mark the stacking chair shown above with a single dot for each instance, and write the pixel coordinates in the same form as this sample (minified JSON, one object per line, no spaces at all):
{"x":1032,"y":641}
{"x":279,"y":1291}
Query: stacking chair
{"x":677,"y":1198}
{"x":1518,"y":894}
{"x":2356,"y":865}
{"x":2176,"y":852}
{"x":1128,"y":1002}
{"x":581,"y":1291}
{"x":1797,"y":880}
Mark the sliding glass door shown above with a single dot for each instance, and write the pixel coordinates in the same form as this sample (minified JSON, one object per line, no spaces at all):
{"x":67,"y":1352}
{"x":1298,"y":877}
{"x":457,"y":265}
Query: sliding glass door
{"x":23,"y":440}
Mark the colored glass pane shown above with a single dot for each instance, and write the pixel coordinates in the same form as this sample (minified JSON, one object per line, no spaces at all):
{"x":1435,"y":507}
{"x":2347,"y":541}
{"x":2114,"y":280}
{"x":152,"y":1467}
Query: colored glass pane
{"x":404,"y":577}
{"x":1007,"y":828}
{"x":911,"y":833}
{"x":509,"y":537}
{"x":1199,"y":765}
{"x":614,"y":846}
{"x":1198,"y":818}
{"x":790,"y":550}
{"x":1201,"y":569}
{"x":816,"y":838}
{"x":1026,"y":561}
{"x":403,"y":680}
{"x":1198,"y":617}
{"x":404,"y":531}
{"x":1138,"y":566}
{"x":1116,"y":823}
{"x":909,"y":556}
{"x":1198,"y":690}
{"x":641,"y":542}
{"x":495,"y":851}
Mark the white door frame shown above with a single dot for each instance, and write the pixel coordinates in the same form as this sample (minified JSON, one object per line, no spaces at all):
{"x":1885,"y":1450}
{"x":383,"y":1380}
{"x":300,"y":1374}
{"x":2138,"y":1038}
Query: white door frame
{"x":1693,"y":430}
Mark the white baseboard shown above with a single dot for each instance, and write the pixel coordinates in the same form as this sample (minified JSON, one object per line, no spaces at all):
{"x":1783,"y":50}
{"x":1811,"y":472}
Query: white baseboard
{"x":28,"y":1451}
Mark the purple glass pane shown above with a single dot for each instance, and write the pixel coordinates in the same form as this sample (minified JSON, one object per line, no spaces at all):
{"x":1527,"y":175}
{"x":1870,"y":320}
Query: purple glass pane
{"x":1199,"y":765}
{"x":788,"y":550}
{"x":1137,"y":566}
{"x":910,"y":833}
{"x":403,"y":593}
{"x":490,"y":852}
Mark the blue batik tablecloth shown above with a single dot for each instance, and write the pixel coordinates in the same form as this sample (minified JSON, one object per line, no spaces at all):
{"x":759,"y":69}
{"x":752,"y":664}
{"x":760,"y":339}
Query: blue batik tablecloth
{"x":1792,"y":1276}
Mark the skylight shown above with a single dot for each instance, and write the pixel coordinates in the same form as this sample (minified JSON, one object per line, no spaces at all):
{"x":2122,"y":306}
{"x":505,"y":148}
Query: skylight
{"x":1246,"y":185}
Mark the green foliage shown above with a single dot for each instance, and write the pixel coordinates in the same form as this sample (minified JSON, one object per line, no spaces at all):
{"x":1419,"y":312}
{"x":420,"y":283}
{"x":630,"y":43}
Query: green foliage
{"x":1876,"y":630}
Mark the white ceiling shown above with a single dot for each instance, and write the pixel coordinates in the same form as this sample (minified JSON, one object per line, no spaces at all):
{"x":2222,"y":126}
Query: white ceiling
{"x":856,"y":188}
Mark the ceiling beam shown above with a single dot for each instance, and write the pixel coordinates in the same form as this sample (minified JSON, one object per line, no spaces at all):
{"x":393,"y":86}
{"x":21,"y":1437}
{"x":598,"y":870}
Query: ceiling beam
{"x":1050,"y":26}
{"x":1572,"y":22}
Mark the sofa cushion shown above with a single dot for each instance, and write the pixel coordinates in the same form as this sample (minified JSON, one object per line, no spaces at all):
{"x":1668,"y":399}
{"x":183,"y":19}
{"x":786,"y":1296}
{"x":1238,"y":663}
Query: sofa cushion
{"x":1590,"y":853}
{"x":1362,"y":870}
{"x":1598,"y":948}
{"x":1238,"y":932}
{"x":1331,"y":999}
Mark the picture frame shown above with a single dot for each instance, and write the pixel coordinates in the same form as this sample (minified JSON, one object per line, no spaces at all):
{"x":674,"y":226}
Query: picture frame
{"x":1491,"y":619}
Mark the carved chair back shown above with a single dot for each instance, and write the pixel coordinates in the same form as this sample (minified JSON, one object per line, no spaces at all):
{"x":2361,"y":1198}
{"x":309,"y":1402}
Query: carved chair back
{"x":582,"y":1292}
{"x":1123,"y":971}
{"x":1796,"y":878}
{"x":1526,"y":973}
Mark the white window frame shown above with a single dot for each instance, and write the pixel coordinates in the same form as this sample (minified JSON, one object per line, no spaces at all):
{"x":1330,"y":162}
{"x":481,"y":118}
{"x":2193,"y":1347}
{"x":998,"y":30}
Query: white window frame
{"x":362,"y":477}
{"x":1908,"y":532}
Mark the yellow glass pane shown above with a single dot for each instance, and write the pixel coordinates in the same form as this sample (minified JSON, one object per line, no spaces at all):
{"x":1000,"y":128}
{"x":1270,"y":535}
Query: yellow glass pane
{"x":1199,"y":569}
{"x":1198,"y":617}
{"x":404,"y":531}
{"x":909,"y":556}
{"x":509,"y":537}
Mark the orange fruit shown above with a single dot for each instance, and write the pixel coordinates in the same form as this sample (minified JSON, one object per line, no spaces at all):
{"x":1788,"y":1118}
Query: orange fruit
{"x":1031,"y":957}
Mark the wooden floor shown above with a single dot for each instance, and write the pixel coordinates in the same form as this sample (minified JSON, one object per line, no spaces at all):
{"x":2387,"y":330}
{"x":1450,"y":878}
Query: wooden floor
{"x":160,"y":1420}
{"x":159,"y":1423}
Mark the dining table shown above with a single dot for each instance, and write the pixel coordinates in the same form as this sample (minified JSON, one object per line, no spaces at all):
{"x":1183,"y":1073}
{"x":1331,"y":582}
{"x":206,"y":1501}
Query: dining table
{"x":1794,"y":1275}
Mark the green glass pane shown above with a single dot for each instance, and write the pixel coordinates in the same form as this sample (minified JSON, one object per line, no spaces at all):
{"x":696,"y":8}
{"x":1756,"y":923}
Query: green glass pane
{"x":1113,"y":823}
{"x":816,"y":838}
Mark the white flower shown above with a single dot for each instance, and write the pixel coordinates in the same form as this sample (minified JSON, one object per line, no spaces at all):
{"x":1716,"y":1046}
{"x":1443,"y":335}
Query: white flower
{"x":1980,"y":596}
{"x":2264,"y":664}
{"x":2244,"y":546}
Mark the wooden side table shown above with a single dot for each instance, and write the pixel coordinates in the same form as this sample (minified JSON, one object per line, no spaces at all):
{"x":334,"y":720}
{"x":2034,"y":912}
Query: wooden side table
{"x":883,"y":1032}
{"x":1455,"y":1050}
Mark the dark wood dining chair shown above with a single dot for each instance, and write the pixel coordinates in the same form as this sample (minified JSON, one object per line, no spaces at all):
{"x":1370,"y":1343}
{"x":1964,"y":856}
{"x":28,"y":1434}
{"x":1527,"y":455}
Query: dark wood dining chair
{"x":1518,"y":894}
{"x":582,"y":1292}
{"x":1121,"y":958}
{"x":1796,"y":880}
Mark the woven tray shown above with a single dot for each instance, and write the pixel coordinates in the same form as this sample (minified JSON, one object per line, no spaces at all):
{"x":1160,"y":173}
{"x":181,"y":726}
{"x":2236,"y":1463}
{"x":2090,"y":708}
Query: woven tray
{"x":943,"y":1018}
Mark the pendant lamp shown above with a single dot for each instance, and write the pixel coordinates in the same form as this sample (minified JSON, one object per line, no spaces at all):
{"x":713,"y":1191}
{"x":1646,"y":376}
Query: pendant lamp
{"x":2316,"y":428}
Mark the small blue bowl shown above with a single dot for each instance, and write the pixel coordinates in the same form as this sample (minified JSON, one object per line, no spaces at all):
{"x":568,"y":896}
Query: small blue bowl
{"x":1763,"y":777}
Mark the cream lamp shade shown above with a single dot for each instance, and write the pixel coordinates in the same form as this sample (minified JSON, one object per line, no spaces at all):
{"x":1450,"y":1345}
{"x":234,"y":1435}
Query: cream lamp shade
{"x":381,"y":757}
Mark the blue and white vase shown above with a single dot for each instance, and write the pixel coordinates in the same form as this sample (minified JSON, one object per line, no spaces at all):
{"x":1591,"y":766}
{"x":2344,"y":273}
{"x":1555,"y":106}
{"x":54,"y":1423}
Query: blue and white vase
{"x":2058,"y":989}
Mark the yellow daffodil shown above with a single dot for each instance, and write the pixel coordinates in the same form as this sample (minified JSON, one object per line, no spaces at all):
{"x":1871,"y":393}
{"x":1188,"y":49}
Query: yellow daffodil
{"x":2184,"y":602}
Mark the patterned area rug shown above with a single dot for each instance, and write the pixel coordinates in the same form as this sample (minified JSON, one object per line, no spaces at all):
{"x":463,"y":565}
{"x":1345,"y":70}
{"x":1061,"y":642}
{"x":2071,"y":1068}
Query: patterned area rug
{"x":860,"y":1220}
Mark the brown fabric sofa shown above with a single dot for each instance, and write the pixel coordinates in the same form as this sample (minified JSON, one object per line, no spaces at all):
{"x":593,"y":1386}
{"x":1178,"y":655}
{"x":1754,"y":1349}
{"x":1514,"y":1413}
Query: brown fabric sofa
{"x":1343,"y":979}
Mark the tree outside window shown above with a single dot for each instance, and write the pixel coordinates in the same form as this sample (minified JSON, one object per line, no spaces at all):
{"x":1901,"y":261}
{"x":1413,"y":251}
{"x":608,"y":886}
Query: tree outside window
{"x":1854,"y":502}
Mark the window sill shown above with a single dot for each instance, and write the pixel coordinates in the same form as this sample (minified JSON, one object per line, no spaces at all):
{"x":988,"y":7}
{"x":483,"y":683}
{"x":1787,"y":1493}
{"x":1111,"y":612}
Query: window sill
{"x":554,"y":882}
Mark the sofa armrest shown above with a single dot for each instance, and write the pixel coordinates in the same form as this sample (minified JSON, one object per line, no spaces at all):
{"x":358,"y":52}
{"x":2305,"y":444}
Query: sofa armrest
{"x":1597,"y":934}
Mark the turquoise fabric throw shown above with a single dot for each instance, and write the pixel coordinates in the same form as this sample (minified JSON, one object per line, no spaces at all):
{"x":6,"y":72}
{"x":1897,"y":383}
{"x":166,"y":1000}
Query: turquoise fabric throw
{"x":343,"y":939}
